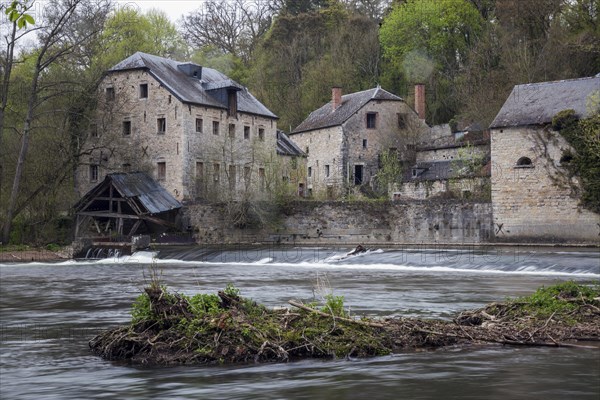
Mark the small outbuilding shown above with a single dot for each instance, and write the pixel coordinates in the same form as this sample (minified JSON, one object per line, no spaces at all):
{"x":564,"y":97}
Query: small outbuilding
{"x":123,"y":205}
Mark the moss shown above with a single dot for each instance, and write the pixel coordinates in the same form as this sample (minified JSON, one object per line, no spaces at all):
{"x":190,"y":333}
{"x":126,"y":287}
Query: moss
{"x":170,"y":328}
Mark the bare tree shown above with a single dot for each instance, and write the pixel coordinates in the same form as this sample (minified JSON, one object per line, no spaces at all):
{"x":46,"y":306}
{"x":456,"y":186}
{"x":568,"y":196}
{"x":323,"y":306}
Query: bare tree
{"x":232,"y":26}
{"x":58,"y":37}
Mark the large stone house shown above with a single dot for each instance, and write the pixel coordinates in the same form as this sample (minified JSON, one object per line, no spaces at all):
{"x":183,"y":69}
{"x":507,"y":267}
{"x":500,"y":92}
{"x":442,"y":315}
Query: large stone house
{"x":532,"y":195}
{"x":345,"y":138}
{"x":199,"y":133}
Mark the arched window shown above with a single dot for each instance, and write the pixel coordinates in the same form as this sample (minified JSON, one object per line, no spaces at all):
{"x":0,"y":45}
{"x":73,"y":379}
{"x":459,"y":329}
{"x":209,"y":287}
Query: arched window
{"x":524,"y":162}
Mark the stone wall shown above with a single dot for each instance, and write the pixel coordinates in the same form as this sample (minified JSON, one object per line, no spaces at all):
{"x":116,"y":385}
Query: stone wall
{"x":458,"y":188}
{"x":536,"y":202}
{"x":324,"y":148}
{"x":237,"y":159}
{"x":452,"y":152}
{"x":342,"y":148}
{"x":352,"y":223}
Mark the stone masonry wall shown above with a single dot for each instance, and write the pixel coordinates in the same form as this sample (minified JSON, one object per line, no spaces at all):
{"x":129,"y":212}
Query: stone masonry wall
{"x":325,"y":148}
{"x":144,"y":147}
{"x":246,"y":158}
{"x":352,"y":223}
{"x":536,"y":203}
{"x":342,"y":148}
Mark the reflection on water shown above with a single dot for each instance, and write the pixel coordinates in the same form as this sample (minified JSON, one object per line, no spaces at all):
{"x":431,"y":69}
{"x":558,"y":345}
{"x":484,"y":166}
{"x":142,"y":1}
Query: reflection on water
{"x":49,"y":312}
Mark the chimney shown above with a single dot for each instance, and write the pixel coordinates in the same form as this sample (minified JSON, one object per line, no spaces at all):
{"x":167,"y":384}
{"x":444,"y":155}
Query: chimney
{"x":336,"y":97}
{"x":420,"y":100}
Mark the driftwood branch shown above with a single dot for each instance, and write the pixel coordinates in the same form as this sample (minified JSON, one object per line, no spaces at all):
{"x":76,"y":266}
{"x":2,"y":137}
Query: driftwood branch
{"x":354,"y":321}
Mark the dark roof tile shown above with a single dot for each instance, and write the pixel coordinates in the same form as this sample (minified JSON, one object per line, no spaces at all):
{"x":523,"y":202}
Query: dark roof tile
{"x":326,"y":117}
{"x":538,"y":103}
{"x":287,"y":147}
{"x":189,"y":89}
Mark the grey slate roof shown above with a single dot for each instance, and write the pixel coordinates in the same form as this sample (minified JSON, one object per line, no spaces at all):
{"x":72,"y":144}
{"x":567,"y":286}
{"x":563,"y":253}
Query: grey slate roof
{"x":435,"y":170}
{"x":286,"y":147}
{"x":538,"y":103}
{"x":189,"y":89}
{"x":150,"y":193}
{"x":326,"y":116}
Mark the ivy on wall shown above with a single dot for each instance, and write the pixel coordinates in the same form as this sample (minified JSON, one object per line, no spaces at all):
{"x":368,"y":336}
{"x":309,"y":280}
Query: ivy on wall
{"x":584,"y":136}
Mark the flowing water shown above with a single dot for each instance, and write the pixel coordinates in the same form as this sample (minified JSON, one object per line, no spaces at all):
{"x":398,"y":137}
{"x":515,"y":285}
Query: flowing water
{"x":49,"y":312}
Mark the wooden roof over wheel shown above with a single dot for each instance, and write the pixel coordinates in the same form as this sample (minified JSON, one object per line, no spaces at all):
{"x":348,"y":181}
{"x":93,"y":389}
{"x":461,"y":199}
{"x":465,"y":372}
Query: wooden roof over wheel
{"x":124,"y":202}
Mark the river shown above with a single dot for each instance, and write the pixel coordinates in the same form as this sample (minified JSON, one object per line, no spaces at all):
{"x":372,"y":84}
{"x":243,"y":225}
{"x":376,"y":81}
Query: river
{"x":48,"y":312}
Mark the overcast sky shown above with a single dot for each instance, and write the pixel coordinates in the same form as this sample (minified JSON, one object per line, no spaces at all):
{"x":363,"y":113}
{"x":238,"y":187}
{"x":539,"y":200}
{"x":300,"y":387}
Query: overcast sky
{"x":173,"y":8}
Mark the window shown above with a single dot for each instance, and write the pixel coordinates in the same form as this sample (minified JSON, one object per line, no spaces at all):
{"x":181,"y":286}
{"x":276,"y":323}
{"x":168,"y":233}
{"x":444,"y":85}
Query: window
{"x":371,"y":120}
{"x":161,"y":171}
{"x":110,"y":94}
{"x":327,"y":171}
{"x":215,"y":127}
{"x":216,"y":172}
{"x":94,"y":130}
{"x":199,"y":171}
{"x":143,"y":91}
{"x":126,"y":128}
{"x":261,"y":177}
{"x":261,"y":134}
{"x":524,"y":162}
{"x":307,"y":149}
{"x":93,"y":173}
{"x":358,"y":174}
{"x":309,"y":172}
{"x":364,"y":143}
{"x":247,"y":132}
{"x":232,"y":131}
{"x":161,"y":125}
{"x":199,"y":124}
{"x":401,"y":121}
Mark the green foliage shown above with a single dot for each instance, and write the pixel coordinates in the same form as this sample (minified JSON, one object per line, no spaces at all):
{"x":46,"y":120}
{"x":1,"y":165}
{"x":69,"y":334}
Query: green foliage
{"x":231,"y":290}
{"x":334,"y":305}
{"x":141,"y":309}
{"x":53,"y":247}
{"x":390,"y":171}
{"x":205,"y":303}
{"x":128,"y":31}
{"x":17,"y":13}
{"x":584,"y":136}
{"x":428,"y":41}
{"x":558,"y":299}
{"x":564,"y":119}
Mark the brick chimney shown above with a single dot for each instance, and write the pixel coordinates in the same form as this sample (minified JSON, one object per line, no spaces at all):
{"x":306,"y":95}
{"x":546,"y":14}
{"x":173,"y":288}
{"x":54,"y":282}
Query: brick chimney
{"x":336,"y":97}
{"x":420,"y":100}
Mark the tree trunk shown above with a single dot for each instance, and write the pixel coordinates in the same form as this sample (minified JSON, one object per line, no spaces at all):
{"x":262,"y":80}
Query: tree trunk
{"x":22,"y":155}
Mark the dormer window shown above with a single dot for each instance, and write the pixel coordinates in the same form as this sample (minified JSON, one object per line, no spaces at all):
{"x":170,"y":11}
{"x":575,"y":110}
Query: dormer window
{"x":524,"y":162}
{"x":232,"y":103}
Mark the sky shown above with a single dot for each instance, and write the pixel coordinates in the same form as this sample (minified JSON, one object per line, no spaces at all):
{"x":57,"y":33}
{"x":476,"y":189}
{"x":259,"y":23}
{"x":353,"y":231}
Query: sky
{"x":173,"y":8}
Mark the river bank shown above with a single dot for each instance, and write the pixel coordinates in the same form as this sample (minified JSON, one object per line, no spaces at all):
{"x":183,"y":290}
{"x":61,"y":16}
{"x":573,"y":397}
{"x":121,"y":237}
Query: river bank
{"x":11,"y":255}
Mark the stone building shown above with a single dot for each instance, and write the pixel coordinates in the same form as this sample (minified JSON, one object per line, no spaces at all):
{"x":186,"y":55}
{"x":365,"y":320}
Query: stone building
{"x":531,"y":192}
{"x":344,"y":138}
{"x":291,"y":166}
{"x":199,"y":133}
{"x":450,"y":164}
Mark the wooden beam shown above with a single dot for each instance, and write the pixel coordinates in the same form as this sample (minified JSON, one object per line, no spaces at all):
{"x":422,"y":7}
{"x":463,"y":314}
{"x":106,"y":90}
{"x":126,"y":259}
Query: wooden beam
{"x":135,"y":227}
{"x":104,"y":214}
